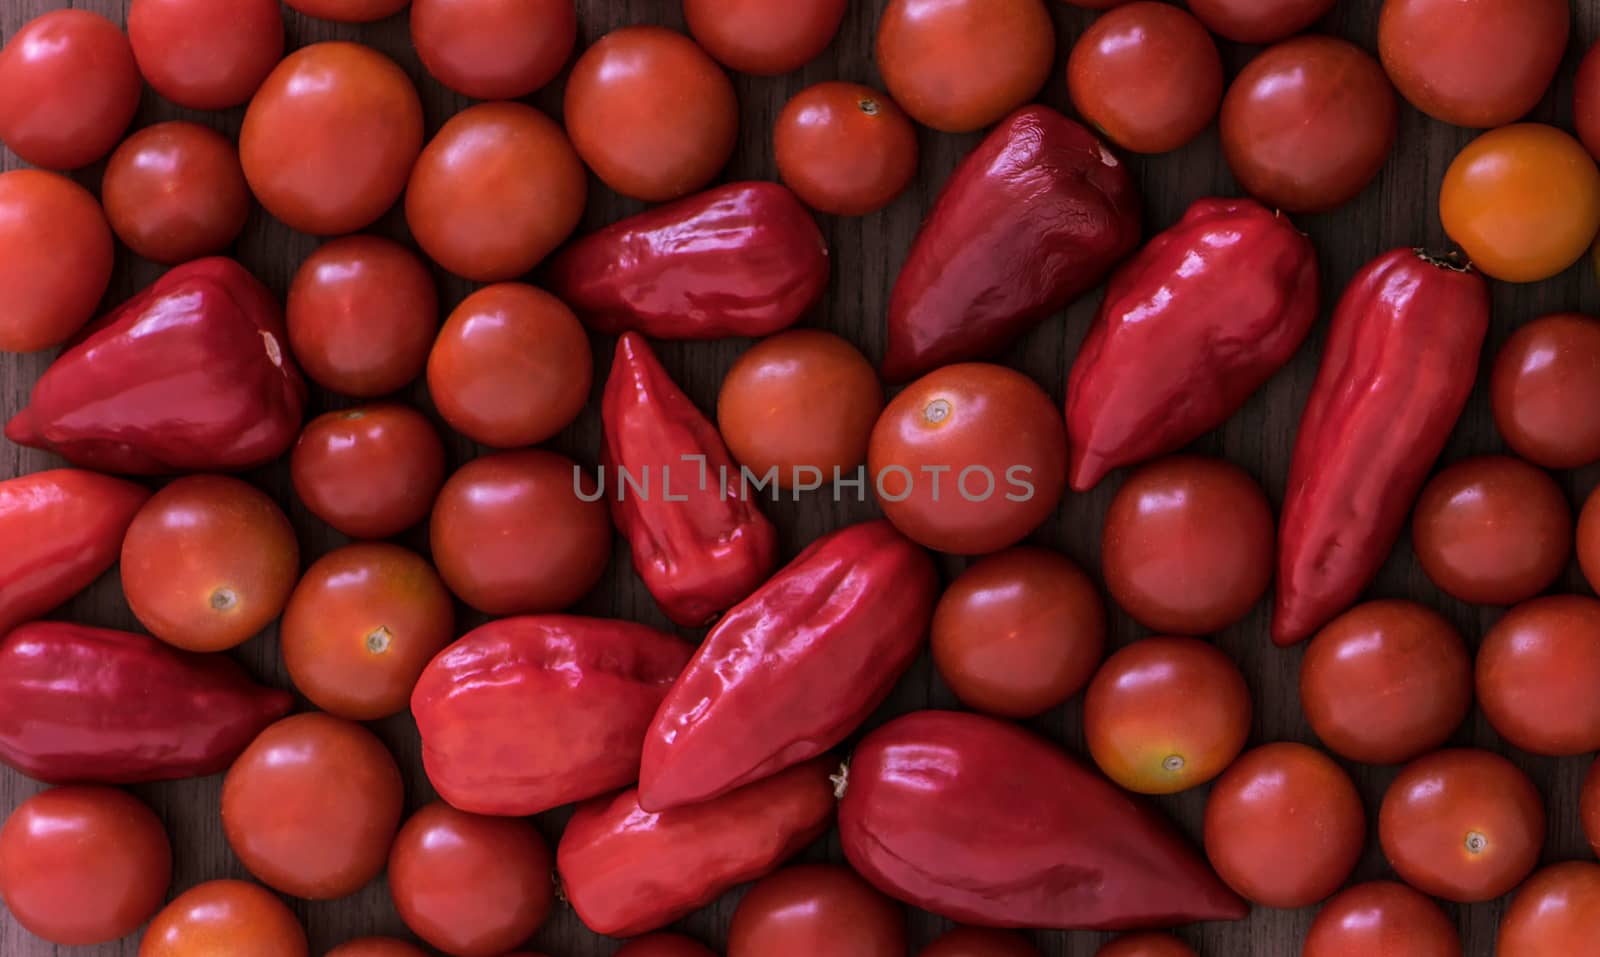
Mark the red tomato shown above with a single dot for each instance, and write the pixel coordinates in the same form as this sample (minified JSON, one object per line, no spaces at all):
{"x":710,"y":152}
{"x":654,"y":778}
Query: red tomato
{"x":764,"y":37}
{"x":1284,"y":826}
{"x":969,"y":458}
{"x":206,"y":55}
{"x":174,"y":192}
{"x":377,"y":947}
{"x":1308,"y":123}
{"x":1463,"y":825}
{"x":1381,"y":919}
{"x":1258,"y":21}
{"x":844,"y":148}
{"x":652,"y":115}
{"x":495,"y":192}
{"x":83,"y":865}
{"x":1589,"y":807}
{"x":1589,"y":540}
{"x":370,"y":472}
{"x":494,"y":49}
{"x":225,"y":917}
{"x":1537,"y":672}
{"x":815,"y":909}
{"x":980,"y":942}
{"x":511,"y":366}
{"x":1543,"y":380}
{"x":330,"y":138}
{"x":56,"y":255}
{"x":1586,"y":101}
{"x":1146,"y":945}
{"x":69,"y":87}
{"x":1556,"y":912}
{"x":663,"y":945}
{"x":348,"y":11}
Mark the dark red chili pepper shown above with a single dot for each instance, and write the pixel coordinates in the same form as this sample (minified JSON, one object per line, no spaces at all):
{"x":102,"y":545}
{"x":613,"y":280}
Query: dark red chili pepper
{"x":1401,"y":358}
{"x":745,"y":259}
{"x":1190,"y":328}
{"x":792,"y":670}
{"x":1032,"y":219}
{"x":980,"y":821}
{"x":192,"y":374}
{"x":698,"y":542}
{"x":91,"y":705}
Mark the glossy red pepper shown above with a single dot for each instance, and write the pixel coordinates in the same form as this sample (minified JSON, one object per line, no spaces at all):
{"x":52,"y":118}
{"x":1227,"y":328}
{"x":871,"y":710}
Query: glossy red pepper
{"x":1032,"y":219}
{"x":1189,"y":329}
{"x":1401,"y":357}
{"x":699,"y":543}
{"x":796,"y":667}
{"x":745,"y":259}
{"x":83,"y":705}
{"x":191,"y":374}
{"x":626,"y":870}
{"x":980,"y":821}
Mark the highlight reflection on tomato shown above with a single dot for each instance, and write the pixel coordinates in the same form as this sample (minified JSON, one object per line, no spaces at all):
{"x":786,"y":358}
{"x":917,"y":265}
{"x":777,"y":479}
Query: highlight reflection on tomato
{"x":1381,"y":919}
{"x":1543,"y":384}
{"x":69,"y":87}
{"x":844,"y":148}
{"x":1536,"y":674}
{"x":51,"y":281}
{"x":174,"y":192}
{"x":206,"y":55}
{"x":814,"y":909}
{"x":251,"y":921}
{"x":371,"y":471}
{"x":1555,"y":912}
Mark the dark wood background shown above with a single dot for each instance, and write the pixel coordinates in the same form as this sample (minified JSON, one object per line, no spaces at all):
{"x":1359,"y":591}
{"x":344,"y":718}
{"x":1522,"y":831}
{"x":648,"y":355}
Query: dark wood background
{"x":1398,"y":209}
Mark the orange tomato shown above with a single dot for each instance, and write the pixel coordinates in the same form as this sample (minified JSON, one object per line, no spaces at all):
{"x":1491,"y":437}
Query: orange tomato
{"x":844,"y":148}
{"x":225,"y":917}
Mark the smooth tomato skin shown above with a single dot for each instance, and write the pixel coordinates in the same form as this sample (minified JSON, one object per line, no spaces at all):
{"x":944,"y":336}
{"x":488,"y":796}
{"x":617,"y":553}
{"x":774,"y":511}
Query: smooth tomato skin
{"x":377,"y":947}
{"x":1586,"y":101}
{"x":1381,"y":919}
{"x":370,"y":472}
{"x":1543,"y":379}
{"x":1146,"y":945}
{"x":206,"y":55}
{"x":1555,"y":912}
{"x":664,"y":945}
{"x":1536,"y":674}
{"x":814,"y":909}
{"x":844,"y":148}
{"x":69,"y":87}
{"x":494,"y":49}
{"x":1589,"y":540}
{"x":980,"y":942}
{"x":83,"y":865}
{"x":1258,"y":21}
{"x":56,"y":254}
{"x":225,"y":917}
{"x":175,"y":192}
{"x":764,"y":37}
{"x":1589,"y":807}
{"x":348,"y":11}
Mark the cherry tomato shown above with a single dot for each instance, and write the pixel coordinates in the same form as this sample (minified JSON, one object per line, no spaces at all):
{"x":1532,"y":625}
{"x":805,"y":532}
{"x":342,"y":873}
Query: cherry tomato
{"x":1586,"y":101}
{"x":764,"y":37}
{"x":1188,"y":545}
{"x":802,"y":399}
{"x":495,"y":192}
{"x":206,"y":55}
{"x":363,"y":312}
{"x":1284,"y":826}
{"x":969,"y":459}
{"x":1381,"y":919}
{"x":511,"y":367}
{"x":348,"y":11}
{"x":377,"y":947}
{"x":370,"y":472}
{"x":471,"y":886}
{"x":1146,"y":945}
{"x":1590,"y":807}
{"x":844,"y":148}
{"x":174,"y":192}
{"x":980,"y":942}
{"x":481,"y":541}
{"x":1556,"y":912}
{"x":225,"y":917}
{"x":814,"y":909}
{"x":1258,"y":21}
{"x":1523,"y":202}
{"x":1544,"y":378}
{"x":664,"y":945}
{"x":330,"y":137}
{"x":1148,"y":75}
{"x":1589,"y":539}
{"x":56,"y":254}
{"x":494,"y":49}
{"x":1308,"y":124}
{"x":208,"y":562}
{"x":69,"y":87}
{"x":652,"y":115}
{"x":960,"y":65}
{"x":83,"y":865}
{"x":1537,"y":672}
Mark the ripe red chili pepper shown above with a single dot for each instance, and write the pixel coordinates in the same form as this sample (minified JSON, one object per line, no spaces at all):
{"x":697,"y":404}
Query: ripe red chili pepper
{"x":745,"y":259}
{"x":1190,"y":327}
{"x":698,"y":542}
{"x":191,"y":374}
{"x":526,"y":714}
{"x":792,"y":670}
{"x":85,"y":705}
{"x":626,"y":870}
{"x":1401,"y":358}
{"x":979,"y":821}
{"x":1031,"y":220}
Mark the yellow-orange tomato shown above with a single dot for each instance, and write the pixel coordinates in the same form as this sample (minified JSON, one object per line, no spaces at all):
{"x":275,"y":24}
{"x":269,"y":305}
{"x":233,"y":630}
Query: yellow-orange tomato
{"x":225,"y":917}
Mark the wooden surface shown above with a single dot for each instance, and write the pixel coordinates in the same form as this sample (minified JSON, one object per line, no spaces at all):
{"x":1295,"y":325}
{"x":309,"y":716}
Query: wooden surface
{"x":1398,"y":209}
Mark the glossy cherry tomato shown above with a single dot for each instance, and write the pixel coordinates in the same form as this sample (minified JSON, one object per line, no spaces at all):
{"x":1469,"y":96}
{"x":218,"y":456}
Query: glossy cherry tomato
{"x":56,"y":254}
{"x":1381,"y":919}
{"x":1188,"y":545}
{"x":1146,"y":945}
{"x":208,"y":562}
{"x":471,"y":886}
{"x":225,"y":917}
{"x":764,"y":37}
{"x":1589,"y":807}
{"x":1556,"y":912}
{"x":1308,"y":123}
{"x":330,"y":138}
{"x":363,"y":312}
{"x":377,"y":947}
{"x":1258,"y":21}
{"x":1148,"y":75}
{"x":495,"y":192}
{"x":494,"y":49}
{"x":969,"y":459}
{"x":1523,"y":202}
{"x":1284,"y":826}
{"x":664,"y":945}
{"x":482,"y":537}
{"x":652,"y":115}
{"x":844,"y":148}
{"x":83,"y":865}
{"x":1537,"y":672}
{"x":1544,"y":378}
{"x":511,"y":367}
{"x":174,"y":192}
{"x":348,"y":11}
{"x":816,"y":909}
{"x":1586,"y":101}
{"x":206,"y":55}
{"x":960,"y":65}
{"x":980,"y":942}
{"x":371,"y":472}
{"x":69,"y":87}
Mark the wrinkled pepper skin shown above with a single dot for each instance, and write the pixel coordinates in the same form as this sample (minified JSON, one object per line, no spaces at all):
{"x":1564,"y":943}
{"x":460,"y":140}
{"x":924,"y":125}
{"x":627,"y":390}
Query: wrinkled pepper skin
{"x":525,"y":714}
{"x":1189,"y":329}
{"x":1398,"y":367}
{"x":81,"y":705}
{"x":980,"y":821}
{"x":192,"y":374}
{"x":1032,"y":219}
{"x":795,"y":668}
{"x":699,"y":543}
{"x":745,"y":259}
{"x":59,"y":531}
{"x":627,"y":871}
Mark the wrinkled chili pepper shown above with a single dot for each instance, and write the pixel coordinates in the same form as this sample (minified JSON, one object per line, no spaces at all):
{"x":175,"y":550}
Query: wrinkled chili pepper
{"x":1190,"y":328}
{"x":792,"y":670}
{"x":192,"y":374}
{"x":1398,"y":367}
{"x":1032,"y":219}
